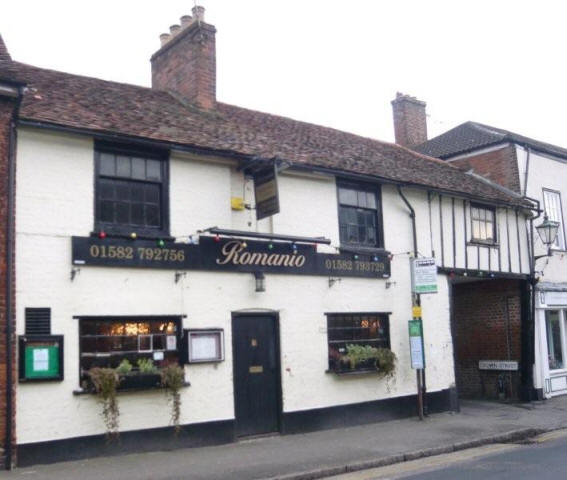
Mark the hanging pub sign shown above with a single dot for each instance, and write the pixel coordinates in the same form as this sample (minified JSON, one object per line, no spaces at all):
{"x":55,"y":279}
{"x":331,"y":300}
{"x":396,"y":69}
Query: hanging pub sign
{"x":424,"y":275}
{"x":266,"y":191}
{"x":228,"y":255}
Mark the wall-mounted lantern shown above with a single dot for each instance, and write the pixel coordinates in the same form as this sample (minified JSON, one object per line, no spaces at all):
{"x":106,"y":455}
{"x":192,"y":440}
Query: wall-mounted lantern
{"x":547,"y":231}
{"x":260,"y":281}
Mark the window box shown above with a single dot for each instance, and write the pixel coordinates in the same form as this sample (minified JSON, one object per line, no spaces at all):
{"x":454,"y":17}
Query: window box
{"x":139,"y":381}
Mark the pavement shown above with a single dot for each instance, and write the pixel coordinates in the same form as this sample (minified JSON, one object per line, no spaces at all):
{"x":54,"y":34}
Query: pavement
{"x":324,"y":453}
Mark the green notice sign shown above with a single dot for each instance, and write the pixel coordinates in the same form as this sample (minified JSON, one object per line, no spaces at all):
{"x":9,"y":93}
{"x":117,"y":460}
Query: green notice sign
{"x":416,"y":344}
{"x":41,"y":360}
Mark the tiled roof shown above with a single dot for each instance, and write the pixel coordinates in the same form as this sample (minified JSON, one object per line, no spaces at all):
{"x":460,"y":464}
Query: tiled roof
{"x":471,"y":136}
{"x":109,"y":107}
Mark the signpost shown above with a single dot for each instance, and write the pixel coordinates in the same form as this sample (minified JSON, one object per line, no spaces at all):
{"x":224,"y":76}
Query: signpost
{"x":416,"y":344}
{"x":424,"y":275}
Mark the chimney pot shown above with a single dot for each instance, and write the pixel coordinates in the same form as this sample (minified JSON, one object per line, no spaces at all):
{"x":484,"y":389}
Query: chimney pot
{"x":188,"y":65}
{"x":198,"y":12}
{"x":185,"y":20}
{"x":164,"y":38}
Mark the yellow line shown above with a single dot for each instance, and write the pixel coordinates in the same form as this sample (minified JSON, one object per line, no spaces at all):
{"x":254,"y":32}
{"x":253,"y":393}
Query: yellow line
{"x":400,"y":470}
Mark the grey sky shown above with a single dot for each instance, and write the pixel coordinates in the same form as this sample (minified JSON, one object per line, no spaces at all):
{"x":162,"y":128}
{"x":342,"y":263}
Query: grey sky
{"x":335,"y":63}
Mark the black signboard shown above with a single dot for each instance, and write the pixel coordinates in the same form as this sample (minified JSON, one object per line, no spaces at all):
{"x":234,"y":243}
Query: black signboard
{"x":228,"y":255}
{"x":266,"y":192}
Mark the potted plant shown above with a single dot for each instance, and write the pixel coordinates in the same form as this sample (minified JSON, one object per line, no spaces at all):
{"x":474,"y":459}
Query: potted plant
{"x":172,"y":379}
{"x":105,"y":382}
{"x":145,"y":376}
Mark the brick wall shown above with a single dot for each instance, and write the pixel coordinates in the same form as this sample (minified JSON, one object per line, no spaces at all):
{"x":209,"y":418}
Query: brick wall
{"x":186,"y":65}
{"x":499,"y":166}
{"x":487,"y":326}
{"x":6,"y":110}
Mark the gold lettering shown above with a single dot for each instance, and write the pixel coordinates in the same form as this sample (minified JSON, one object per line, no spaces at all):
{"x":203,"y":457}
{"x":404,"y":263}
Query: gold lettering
{"x":230,"y":251}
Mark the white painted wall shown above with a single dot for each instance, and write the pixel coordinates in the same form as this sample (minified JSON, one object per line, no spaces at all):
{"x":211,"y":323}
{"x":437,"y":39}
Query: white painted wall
{"x":551,"y":173}
{"x":545,"y":171}
{"x":55,"y":201}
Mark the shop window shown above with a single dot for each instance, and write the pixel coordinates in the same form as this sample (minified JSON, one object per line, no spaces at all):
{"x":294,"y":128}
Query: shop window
{"x":553,"y":210}
{"x":483,"y":224}
{"x":360,"y":220}
{"x":107,"y":342}
{"x":360,"y":329}
{"x":555,"y":329}
{"x":131,"y":191}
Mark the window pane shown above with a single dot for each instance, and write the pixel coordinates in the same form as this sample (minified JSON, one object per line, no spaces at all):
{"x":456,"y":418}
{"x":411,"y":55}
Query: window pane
{"x":152,"y":216}
{"x":153,"y":170}
{"x":123,"y":166}
{"x":554,"y":347}
{"x":370,"y":200}
{"x":137,"y":192}
{"x":361,"y":199}
{"x":152,"y":193}
{"x":107,"y":164}
{"x":347,"y":196}
{"x":106,"y":191}
{"x":137,"y":214}
{"x":474,"y":213}
{"x":138,"y":168}
{"x":122,"y":213}
{"x":122,"y":191}
{"x":106,"y":211}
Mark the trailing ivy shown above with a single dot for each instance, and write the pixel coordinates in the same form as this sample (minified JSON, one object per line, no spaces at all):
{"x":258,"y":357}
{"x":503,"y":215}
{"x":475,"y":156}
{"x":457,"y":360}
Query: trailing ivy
{"x":173,"y":378}
{"x":105,"y":381}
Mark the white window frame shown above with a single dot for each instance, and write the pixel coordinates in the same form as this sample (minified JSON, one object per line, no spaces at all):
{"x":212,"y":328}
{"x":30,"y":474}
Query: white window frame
{"x":563,"y":337}
{"x":483,"y":221}
{"x":554,"y":211}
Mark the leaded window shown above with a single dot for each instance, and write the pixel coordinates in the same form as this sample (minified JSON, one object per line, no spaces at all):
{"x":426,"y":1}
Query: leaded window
{"x":131,"y":192}
{"x":359,"y":215}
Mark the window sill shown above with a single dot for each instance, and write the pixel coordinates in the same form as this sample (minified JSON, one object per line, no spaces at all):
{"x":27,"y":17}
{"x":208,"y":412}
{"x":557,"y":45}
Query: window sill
{"x":356,"y":371}
{"x":140,"y":235}
{"x":480,"y":243}
{"x":83,"y":391}
{"x":363,"y":250}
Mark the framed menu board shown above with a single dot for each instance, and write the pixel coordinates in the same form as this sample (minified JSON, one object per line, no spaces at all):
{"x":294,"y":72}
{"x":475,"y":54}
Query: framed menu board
{"x":40,"y":358}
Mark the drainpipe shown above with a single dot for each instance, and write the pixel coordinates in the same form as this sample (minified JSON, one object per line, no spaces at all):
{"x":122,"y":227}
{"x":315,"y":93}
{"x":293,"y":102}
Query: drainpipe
{"x":527,"y":170}
{"x":530,"y":334}
{"x":10,"y":222}
{"x":422,"y":389}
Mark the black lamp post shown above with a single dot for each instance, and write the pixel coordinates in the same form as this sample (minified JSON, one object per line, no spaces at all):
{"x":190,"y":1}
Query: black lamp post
{"x":547,"y":231}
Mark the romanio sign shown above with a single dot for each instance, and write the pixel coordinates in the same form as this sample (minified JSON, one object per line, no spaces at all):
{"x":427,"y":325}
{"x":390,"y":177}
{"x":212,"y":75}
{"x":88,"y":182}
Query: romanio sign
{"x":228,"y":255}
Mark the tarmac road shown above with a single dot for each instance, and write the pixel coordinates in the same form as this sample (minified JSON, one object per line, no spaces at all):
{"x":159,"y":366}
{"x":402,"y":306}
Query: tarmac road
{"x":543,"y":458}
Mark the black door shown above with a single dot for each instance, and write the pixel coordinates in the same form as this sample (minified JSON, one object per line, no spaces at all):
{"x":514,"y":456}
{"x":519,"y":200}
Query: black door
{"x":256,"y":374}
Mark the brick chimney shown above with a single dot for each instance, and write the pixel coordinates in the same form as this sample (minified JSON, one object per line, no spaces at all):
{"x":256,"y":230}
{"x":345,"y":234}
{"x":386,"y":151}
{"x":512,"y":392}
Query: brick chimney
{"x":186,"y":62}
{"x":410,"y":124}
{"x":4,"y":54}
